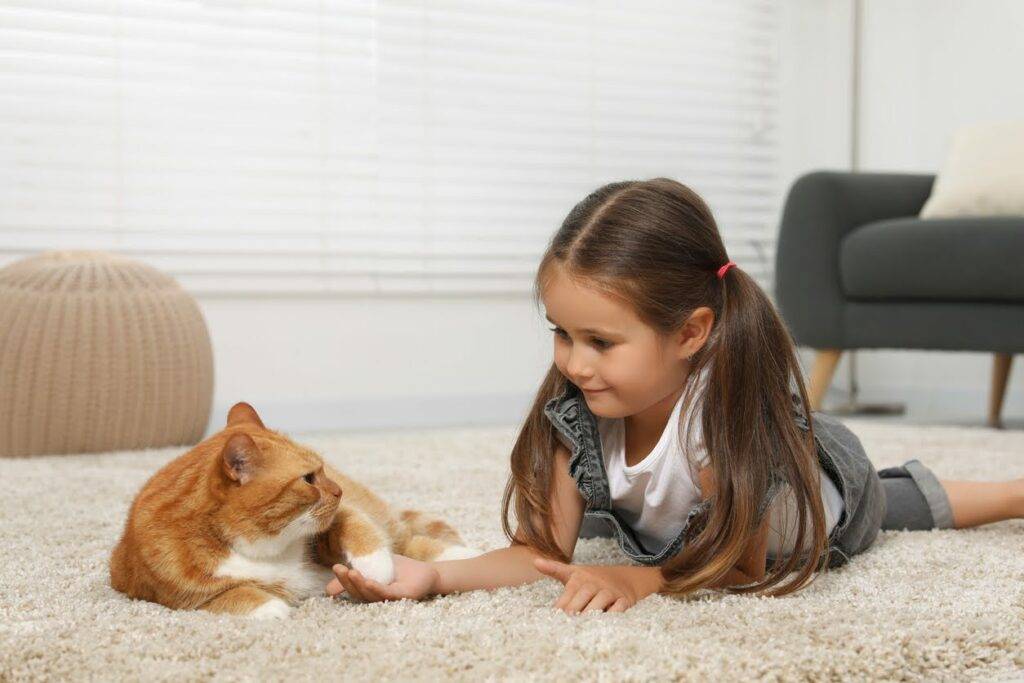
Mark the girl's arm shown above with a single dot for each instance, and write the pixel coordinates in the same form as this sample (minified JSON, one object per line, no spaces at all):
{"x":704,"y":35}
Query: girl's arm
{"x":514,"y":566}
{"x":612,"y":588}
{"x":510,"y":566}
{"x":751,"y":566}
{"x":617,"y":588}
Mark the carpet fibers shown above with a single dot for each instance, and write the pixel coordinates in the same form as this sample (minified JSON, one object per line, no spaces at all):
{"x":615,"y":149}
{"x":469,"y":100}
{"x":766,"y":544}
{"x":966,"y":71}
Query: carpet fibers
{"x":933,"y":605}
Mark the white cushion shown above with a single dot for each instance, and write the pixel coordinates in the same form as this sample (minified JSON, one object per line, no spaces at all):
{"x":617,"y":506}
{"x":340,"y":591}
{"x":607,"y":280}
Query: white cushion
{"x":983,"y":175}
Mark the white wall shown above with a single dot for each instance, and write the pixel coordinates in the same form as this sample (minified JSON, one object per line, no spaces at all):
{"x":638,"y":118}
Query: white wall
{"x":347,"y":362}
{"x":928,"y":67}
{"x":815,"y":87}
{"x":311,"y":364}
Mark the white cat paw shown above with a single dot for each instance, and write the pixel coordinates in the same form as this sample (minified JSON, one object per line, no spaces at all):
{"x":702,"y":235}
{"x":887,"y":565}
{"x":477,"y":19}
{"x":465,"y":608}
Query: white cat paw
{"x":458,"y":552}
{"x":377,"y":566}
{"x":275,"y":608}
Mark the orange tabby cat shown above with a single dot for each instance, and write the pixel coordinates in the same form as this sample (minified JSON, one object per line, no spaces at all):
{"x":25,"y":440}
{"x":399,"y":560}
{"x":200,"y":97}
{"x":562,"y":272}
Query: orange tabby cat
{"x":249,"y":522}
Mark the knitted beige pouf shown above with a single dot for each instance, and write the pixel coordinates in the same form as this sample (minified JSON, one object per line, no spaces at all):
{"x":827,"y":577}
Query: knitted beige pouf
{"x":99,"y":353}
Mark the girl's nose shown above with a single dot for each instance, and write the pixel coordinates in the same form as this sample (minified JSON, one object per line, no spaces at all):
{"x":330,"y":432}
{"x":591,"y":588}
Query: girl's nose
{"x":578,"y":368}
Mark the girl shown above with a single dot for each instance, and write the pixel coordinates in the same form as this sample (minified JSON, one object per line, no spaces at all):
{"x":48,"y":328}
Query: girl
{"x":675,"y":419}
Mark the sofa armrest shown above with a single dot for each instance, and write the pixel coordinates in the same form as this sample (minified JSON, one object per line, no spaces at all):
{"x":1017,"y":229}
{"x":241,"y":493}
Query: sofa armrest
{"x":821,"y":208}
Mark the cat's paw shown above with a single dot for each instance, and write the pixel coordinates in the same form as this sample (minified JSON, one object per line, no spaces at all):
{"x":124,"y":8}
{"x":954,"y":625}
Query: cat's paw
{"x":377,"y":566}
{"x":275,"y":608}
{"x":457,"y":552}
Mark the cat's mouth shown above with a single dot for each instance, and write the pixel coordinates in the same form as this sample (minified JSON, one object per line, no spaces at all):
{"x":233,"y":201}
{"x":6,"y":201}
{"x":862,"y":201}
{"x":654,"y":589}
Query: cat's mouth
{"x":324,"y":513}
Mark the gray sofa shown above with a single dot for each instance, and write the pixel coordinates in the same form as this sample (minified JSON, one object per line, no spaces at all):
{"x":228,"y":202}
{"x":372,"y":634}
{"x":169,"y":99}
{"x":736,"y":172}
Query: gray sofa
{"x":857,"y":269}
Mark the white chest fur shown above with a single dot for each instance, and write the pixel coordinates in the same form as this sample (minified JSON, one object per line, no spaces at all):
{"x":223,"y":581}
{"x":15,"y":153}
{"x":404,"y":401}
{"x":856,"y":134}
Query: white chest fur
{"x":282,"y":559}
{"x":292,"y":570}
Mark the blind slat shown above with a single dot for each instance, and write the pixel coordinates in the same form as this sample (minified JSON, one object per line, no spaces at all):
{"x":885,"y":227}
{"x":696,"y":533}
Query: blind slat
{"x":377,"y":146}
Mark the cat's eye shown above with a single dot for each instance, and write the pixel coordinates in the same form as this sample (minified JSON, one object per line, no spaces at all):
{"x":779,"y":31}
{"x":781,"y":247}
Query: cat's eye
{"x":309,"y":478}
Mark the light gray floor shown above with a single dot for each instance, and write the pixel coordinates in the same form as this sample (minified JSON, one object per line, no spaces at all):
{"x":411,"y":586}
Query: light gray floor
{"x":973,"y":413}
{"x":941,"y":605}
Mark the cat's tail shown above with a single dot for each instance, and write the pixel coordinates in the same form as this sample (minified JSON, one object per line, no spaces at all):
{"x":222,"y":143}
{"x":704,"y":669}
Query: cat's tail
{"x":422,"y":524}
{"x":432,"y":539}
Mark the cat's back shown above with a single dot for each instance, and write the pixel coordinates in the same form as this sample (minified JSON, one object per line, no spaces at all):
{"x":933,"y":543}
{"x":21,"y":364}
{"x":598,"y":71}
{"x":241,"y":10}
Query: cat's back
{"x":159,"y":542}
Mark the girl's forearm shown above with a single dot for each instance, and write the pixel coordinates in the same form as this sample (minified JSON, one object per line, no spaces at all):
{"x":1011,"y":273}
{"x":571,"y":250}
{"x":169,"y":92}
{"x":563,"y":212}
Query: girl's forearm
{"x":511,"y":566}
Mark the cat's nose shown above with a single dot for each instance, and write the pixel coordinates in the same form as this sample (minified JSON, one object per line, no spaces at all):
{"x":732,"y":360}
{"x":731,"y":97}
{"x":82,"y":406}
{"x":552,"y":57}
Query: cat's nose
{"x":332,"y":488}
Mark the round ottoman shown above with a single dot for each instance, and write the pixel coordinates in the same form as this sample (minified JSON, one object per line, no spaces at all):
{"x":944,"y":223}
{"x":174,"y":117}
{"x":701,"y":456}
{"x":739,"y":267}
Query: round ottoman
{"x":99,"y":353}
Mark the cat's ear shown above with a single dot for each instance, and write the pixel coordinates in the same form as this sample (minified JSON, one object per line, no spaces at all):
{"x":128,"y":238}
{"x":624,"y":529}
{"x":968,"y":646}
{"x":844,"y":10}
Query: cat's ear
{"x":239,"y":457}
{"x":243,"y":413}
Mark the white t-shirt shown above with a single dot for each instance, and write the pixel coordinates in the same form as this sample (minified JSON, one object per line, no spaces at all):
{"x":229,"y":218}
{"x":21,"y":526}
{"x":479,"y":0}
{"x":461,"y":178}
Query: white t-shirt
{"x":655,"y":495}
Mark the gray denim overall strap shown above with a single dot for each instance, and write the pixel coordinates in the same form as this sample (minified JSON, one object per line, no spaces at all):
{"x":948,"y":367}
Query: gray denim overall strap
{"x":570,"y":415}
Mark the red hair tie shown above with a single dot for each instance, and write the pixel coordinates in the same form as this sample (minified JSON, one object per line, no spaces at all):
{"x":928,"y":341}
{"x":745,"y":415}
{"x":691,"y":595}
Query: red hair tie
{"x":724,"y":269}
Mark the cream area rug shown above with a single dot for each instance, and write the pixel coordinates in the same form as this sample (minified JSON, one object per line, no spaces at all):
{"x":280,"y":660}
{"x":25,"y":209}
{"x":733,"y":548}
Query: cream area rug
{"x":919,"y":606}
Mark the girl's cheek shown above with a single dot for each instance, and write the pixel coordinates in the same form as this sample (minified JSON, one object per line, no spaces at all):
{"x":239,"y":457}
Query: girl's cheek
{"x":561,"y":357}
{"x":614,"y":369}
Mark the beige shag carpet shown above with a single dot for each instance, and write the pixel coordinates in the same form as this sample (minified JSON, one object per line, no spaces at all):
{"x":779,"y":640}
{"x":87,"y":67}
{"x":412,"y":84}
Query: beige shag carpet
{"x":935,"y":605}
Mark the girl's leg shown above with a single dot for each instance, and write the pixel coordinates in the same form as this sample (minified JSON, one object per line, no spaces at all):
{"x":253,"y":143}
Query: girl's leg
{"x":982,"y":502}
{"x":917,"y":499}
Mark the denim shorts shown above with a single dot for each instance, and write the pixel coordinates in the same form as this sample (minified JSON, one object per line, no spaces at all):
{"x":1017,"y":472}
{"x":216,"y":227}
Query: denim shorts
{"x":914,"y":499}
{"x":905,"y":497}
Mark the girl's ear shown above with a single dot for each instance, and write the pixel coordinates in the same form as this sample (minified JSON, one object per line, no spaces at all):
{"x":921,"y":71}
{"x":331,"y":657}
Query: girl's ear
{"x":243,"y":413}
{"x":695,"y":331}
{"x":239,"y":458}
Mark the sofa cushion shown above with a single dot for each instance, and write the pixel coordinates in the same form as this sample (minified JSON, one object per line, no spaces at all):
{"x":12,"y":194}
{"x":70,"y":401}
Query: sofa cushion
{"x":947,"y":259}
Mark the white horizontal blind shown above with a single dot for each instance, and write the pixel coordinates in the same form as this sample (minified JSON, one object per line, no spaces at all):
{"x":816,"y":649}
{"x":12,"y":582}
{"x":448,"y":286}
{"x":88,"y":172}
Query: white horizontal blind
{"x":300,"y":146}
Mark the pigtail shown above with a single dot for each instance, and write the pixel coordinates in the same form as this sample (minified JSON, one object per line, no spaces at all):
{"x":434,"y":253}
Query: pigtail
{"x":748,"y":428}
{"x":528,"y":491}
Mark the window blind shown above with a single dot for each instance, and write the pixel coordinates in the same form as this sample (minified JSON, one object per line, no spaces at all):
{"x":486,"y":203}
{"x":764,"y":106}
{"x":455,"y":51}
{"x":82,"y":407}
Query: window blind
{"x":348,"y":146}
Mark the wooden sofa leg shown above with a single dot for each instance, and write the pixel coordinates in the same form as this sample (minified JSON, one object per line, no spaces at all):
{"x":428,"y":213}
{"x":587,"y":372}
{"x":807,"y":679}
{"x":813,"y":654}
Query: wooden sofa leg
{"x":821,"y":375}
{"x":1000,"y":375}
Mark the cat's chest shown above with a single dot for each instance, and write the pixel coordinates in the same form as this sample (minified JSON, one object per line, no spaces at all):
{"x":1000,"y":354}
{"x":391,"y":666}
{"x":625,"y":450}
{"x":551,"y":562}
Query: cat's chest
{"x":290,"y":569}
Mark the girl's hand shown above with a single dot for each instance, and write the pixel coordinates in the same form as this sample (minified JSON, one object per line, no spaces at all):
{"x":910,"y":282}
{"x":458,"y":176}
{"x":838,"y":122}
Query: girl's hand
{"x":414,"y":580}
{"x":591,"y":588}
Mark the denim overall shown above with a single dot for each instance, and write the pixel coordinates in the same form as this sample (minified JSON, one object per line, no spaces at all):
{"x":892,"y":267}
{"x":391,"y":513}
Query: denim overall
{"x":840,"y":453}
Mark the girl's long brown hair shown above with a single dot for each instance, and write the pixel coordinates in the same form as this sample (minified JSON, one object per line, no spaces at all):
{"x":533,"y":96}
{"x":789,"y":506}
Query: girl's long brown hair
{"x":655,"y":244}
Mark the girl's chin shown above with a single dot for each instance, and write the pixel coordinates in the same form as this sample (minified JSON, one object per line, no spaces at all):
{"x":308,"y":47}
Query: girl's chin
{"x":601,"y":404}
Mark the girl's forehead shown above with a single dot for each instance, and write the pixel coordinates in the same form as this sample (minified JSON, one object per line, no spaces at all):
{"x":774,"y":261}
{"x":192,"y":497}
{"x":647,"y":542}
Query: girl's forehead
{"x":576,"y":303}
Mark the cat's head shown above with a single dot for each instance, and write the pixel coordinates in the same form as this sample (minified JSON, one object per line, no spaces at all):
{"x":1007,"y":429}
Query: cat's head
{"x":272,"y":490}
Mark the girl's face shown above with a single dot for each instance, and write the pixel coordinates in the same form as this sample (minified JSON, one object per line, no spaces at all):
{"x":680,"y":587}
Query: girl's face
{"x":622,"y":365}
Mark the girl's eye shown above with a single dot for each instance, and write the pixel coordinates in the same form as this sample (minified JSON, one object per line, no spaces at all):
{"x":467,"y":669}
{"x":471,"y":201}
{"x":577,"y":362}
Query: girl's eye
{"x":559,"y":332}
{"x":602,"y":344}
{"x":309,"y":478}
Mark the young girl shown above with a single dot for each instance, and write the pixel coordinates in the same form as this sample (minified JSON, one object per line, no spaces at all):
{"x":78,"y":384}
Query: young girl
{"x":675,"y":419}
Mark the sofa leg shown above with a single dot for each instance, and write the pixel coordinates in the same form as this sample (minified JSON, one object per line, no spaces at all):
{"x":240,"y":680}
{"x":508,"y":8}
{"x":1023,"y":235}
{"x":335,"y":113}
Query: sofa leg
{"x":825,"y":363}
{"x":1000,"y":376}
